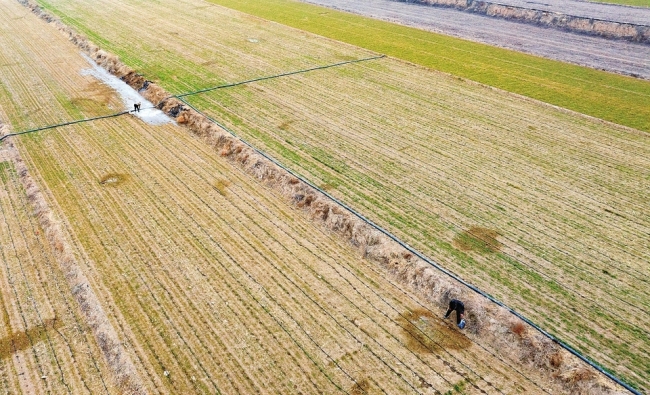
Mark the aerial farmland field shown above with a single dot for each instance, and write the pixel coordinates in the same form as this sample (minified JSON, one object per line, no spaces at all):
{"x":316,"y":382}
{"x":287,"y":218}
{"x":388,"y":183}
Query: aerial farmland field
{"x":541,"y":207}
{"x":211,"y":282}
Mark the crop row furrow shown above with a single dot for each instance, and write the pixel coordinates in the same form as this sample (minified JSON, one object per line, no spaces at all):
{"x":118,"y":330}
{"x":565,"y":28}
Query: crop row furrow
{"x":370,"y":208}
{"x":458,"y":184}
{"x":83,"y":358}
{"x":305,"y":285}
{"x":250,"y":247}
{"x":368,"y":157}
{"x":125,"y":283}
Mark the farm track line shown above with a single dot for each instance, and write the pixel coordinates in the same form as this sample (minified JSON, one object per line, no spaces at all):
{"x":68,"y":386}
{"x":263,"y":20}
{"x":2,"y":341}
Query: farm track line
{"x":544,"y":83}
{"x":595,"y":52}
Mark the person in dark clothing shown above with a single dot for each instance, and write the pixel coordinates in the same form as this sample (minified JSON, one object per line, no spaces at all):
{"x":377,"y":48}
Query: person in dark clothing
{"x":136,"y":107}
{"x":457,"y":305}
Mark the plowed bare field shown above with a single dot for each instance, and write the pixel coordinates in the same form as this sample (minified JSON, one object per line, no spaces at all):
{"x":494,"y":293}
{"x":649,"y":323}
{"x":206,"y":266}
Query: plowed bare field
{"x":211,"y":281}
{"x":543,"y":208}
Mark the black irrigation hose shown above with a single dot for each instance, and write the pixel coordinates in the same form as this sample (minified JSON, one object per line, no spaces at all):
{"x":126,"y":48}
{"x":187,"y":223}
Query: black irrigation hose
{"x":269,"y":77}
{"x":65,"y":124}
{"x":422,"y":256}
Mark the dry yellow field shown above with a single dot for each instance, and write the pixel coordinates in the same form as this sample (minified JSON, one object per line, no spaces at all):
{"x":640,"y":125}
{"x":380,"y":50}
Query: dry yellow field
{"x":545,"y":209}
{"x":211,"y":281}
{"x":45,"y":345}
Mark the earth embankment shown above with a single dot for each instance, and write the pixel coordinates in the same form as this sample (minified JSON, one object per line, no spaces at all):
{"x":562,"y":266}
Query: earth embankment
{"x":592,"y":23}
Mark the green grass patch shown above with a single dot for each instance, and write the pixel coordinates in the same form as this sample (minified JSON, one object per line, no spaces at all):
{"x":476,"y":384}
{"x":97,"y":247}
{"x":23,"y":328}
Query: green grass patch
{"x":619,"y":99}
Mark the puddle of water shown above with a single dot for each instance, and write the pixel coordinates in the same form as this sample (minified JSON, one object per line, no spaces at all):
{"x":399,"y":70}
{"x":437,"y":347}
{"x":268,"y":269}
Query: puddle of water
{"x":129,"y":96}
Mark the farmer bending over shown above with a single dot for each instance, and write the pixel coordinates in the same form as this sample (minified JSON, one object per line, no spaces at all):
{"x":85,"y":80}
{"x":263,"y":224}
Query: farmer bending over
{"x":457,"y":305}
{"x":136,"y":107}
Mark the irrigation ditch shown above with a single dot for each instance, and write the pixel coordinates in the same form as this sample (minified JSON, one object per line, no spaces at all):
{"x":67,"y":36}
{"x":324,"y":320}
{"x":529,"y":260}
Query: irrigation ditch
{"x":556,"y":20}
{"x":488,"y":317}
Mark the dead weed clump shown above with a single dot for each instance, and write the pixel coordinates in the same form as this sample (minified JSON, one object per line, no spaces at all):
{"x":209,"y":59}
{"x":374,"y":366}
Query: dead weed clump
{"x":493,"y":324}
{"x":360,"y":387}
{"x":519,"y":329}
{"x":113,"y":179}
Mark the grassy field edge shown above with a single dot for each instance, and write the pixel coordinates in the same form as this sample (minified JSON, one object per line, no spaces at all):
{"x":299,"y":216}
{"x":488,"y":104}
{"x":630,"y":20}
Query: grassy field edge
{"x":615,"y":98}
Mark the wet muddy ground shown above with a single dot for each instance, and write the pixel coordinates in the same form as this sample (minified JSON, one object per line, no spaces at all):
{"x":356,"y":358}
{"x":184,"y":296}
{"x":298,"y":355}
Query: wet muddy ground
{"x":599,"y":53}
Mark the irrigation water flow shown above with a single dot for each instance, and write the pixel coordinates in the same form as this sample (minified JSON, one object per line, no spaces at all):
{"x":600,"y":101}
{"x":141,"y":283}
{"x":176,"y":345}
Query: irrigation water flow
{"x":148,"y":113}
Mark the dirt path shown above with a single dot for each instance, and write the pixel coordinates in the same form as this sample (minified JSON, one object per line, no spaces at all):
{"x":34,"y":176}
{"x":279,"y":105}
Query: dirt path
{"x":609,"y":12}
{"x":595,"y":52}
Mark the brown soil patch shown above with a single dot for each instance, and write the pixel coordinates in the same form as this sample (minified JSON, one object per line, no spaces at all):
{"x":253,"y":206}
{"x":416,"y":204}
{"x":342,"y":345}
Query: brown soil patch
{"x":113,"y":179}
{"x":285,"y":125}
{"x":95,"y":99}
{"x":360,"y":387}
{"x":20,"y":341}
{"x":425,"y":333}
{"x":478,"y":239}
